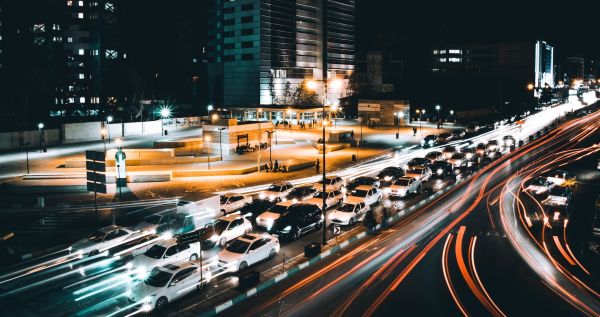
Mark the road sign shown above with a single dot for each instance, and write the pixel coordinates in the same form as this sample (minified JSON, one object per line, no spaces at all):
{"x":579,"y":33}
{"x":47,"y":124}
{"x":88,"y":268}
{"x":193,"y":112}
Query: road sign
{"x":188,"y":238}
{"x":97,"y":166}
{"x":95,"y":177}
{"x":97,"y":187}
{"x":336,"y":230}
{"x":95,"y":156}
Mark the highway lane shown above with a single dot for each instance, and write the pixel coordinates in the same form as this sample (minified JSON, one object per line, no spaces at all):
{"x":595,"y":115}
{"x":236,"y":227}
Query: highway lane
{"x":380,"y":281}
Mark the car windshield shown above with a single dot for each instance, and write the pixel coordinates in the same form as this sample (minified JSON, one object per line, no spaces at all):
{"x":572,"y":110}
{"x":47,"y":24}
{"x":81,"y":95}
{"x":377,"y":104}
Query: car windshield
{"x":221,"y":225}
{"x":539,"y":182}
{"x":402,"y":182}
{"x":238,"y":246}
{"x":298,"y":191}
{"x":449,"y":149}
{"x":223,"y":200}
{"x":458,"y":156}
{"x":433,"y":154}
{"x":158,"y":278}
{"x":154,"y":219}
{"x":363,"y":180}
{"x":413,"y":171}
{"x":275,"y":188}
{"x":278,"y":209}
{"x":155,"y":252}
{"x":359,"y":193}
{"x":97,"y":236}
{"x":347,"y":208}
{"x":320,"y":195}
{"x":492,"y":142}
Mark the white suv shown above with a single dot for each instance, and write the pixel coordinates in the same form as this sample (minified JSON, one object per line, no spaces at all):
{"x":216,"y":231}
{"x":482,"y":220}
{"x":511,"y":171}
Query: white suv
{"x":349,"y":213}
{"x":420,"y":172}
{"x":267,"y":218}
{"x":368,"y":194}
{"x":228,"y":228}
{"x":231,"y":202}
{"x":247,"y":250}
{"x":331,"y":199}
{"x":104,"y":239}
{"x":331,"y":183}
{"x":166,"y":284}
{"x":277,"y":190}
{"x":404,"y":186}
{"x":166,"y":252}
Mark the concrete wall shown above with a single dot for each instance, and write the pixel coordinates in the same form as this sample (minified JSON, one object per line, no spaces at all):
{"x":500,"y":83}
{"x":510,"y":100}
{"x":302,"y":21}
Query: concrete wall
{"x":86,"y":131}
{"x":16,"y":140}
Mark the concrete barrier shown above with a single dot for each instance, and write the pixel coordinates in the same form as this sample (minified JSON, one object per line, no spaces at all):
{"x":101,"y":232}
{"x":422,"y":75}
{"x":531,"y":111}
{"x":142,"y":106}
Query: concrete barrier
{"x":142,"y":177}
{"x":140,"y":154}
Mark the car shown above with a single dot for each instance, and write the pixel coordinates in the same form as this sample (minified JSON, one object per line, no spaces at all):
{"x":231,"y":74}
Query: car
{"x":428,"y":141}
{"x":508,"y":141}
{"x":331,"y":183}
{"x":417,"y":161}
{"x":558,"y":196}
{"x":255,"y":208}
{"x":441,"y":169}
{"x":445,"y":137}
{"x":471,"y":129}
{"x":561,"y":178}
{"x":420,"y":172}
{"x":448,"y":151}
{"x":388,"y":175}
{"x":459,"y":134}
{"x":103,"y":240}
{"x":223,"y":230}
{"x":166,"y":284}
{"x":492,"y":145}
{"x":166,"y":252}
{"x":171,"y":221}
{"x":434,"y":156}
{"x":469,"y":152}
{"x":277,"y":190}
{"x":368,"y":194}
{"x":128,"y":250}
{"x":480,"y":149}
{"x":298,"y":220}
{"x":232,"y":202}
{"x":458,"y":160}
{"x":267,"y":218}
{"x":301,"y":193}
{"x":362,"y":180}
{"x":596,"y":224}
{"x":540,"y":185}
{"x":348,"y":213}
{"x":332,"y":198}
{"x":405,"y":186}
{"x":556,"y":215}
{"x":247,"y":250}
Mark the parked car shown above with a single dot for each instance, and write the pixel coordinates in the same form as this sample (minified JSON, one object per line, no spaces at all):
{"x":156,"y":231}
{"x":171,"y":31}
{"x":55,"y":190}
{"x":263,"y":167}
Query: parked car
{"x":248,"y":250}
{"x":540,"y":185}
{"x":232,"y":202}
{"x":166,"y":252}
{"x":561,"y":178}
{"x":444,"y":137}
{"x":434,"y":156}
{"x":419,"y":172}
{"x":388,"y":175}
{"x":469,"y":152}
{"x":405,"y":186}
{"x":417,"y":161}
{"x":224,"y":229}
{"x":448,"y":151}
{"x":267,"y":218}
{"x":298,"y":220}
{"x":362,"y":180}
{"x":558,"y":196}
{"x":428,"y":141}
{"x":277,"y":191}
{"x":166,"y":284}
{"x":349,"y":213}
{"x":368,"y":194}
{"x":102,"y":240}
{"x":459,"y":134}
{"x":332,"y":198}
{"x":331,"y":183}
{"x":301,"y":193}
{"x":441,"y":169}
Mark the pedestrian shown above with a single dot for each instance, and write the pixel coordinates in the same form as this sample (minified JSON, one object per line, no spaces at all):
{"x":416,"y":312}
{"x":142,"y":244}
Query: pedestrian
{"x":352,"y":134}
{"x":270,"y":166}
{"x":317,"y":166}
{"x":369,"y":221}
{"x":414,"y":131}
{"x":266,"y":167}
{"x":276,"y":166}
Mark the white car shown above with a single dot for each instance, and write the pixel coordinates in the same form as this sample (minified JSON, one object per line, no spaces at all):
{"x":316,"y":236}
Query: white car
{"x":458,"y":160}
{"x":558,"y":197}
{"x":540,"y":185}
{"x":405,"y":186}
{"x":561,"y":178}
{"x":103,"y":239}
{"x":231,"y":202}
{"x":166,"y":284}
{"x":420,"y":172}
{"x":332,"y":183}
{"x":161,"y":222}
{"x":267,"y":218}
{"x":277,"y":190}
{"x":331,"y":198}
{"x":166,"y":252}
{"x":247,"y":250}
{"x":370,"y":195}
{"x":227,"y":228}
{"x":348,"y":213}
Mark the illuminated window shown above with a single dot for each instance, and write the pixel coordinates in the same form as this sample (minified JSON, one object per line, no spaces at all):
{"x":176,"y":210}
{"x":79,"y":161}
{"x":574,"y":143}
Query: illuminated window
{"x":80,"y":3}
{"x":111,"y":54}
{"x":435,"y":52}
{"x":109,"y":7}
{"x":454,"y":59}
{"x":442,"y":51}
{"x":69,"y":3}
{"x":71,"y":100}
{"x":455,"y":51}
{"x":70,"y":39}
{"x":81,"y":51}
{"x":80,"y":15}
{"x":39,"y":28}
{"x":443,"y":60}
{"x":81,"y":76}
{"x":95,"y":52}
{"x":70,"y":88}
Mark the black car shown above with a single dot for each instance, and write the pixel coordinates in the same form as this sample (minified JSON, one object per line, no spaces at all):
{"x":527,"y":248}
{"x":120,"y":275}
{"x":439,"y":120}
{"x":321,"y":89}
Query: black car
{"x":418,"y":161}
{"x":301,"y":193}
{"x":459,"y":134}
{"x":441,"y":169}
{"x":428,"y":141}
{"x":298,"y":220}
{"x":255,"y":208}
{"x":360,"y":181}
{"x":388,"y":175}
{"x":434,"y":156}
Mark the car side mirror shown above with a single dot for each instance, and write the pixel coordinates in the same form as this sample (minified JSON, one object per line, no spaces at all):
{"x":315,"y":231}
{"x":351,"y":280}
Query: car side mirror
{"x":174,"y":283}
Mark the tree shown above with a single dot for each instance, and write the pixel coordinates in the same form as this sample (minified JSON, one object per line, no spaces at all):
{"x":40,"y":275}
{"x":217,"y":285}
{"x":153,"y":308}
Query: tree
{"x":274,"y":99}
{"x":287,"y":94}
{"x":358,"y":83}
{"x":302,"y":96}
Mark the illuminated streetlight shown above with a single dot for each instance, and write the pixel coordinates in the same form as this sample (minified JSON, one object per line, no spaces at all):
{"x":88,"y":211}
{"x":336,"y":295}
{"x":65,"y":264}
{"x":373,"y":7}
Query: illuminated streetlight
{"x":119,"y":142}
{"x":206,"y":140}
{"x":214,"y":118}
{"x":40,"y":127}
{"x":109,"y":119}
{"x":312,"y":85}
{"x":399,"y":115}
{"x":530,"y":86}
{"x":165,"y":113}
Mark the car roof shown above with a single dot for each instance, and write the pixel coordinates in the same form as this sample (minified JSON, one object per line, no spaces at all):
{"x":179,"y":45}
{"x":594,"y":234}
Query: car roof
{"x":282,"y":183}
{"x":231,"y":195}
{"x":174,"y":267}
{"x":251,"y":237}
{"x":331,"y":176}
{"x":406,"y":178}
{"x":365,"y":187}
{"x":110,"y":228}
{"x":230,"y":217}
{"x":167,"y":242}
{"x":449,"y":148}
{"x":285,"y":203}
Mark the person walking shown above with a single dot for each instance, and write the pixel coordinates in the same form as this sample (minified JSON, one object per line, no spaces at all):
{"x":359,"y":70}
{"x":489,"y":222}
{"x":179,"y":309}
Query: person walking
{"x":414,"y":131}
{"x":369,"y":221}
{"x":276,"y":166}
{"x":317,"y":166}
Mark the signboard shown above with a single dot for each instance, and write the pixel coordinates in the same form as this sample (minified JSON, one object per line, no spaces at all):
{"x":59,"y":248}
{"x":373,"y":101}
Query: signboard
{"x":97,"y":187}
{"x":120,"y":161}
{"x":95,"y":156}
{"x":363,"y":107}
{"x":95,"y":166}
{"x":188,"y":238}
{"x":99,"y":167}
{"x":336,"y":230}
{"x":96,"y":177}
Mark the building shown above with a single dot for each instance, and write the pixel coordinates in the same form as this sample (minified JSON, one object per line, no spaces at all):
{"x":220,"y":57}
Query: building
{"x":257,"y":48}
{"x":575,"y":68}
{"x":225,"y":135}
{"x":384,"y":112}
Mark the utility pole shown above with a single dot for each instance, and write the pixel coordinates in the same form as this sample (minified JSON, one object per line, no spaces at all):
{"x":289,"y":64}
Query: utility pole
{"x":325,"y":78}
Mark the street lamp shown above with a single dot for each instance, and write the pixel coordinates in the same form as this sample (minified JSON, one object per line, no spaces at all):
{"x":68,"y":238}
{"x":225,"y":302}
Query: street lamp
{"x":399,"y":115}
{"x":452,"y":114}
{"x":40,"y":127}
{"x":420,"y":112}
{"x":289,"y":112}
{"x":220,"y":146}
{"x":165,"y":113}
{"x":270,"y":133}
{"x":27,"y":156}
{"x":109,"y":119}
{"x":438,"y":107}
{"x":103,"y":135}
{"x":206,"y":140}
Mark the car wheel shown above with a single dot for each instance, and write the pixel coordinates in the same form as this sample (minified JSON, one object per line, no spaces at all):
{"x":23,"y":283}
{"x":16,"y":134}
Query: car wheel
{"x":223,"y":213}
{"x":296,"y":235}
{"x":418,"y":189}
{"x":222,"y":242}
{"x":243,"y":266}
{"x":94,"y":252}
{"x":161,"y":303}
{"x":194,"y":257}
{"x":247,"y":231}
{"x":378,"y":200}
{"x":272,"y":253}
{"x":352,"y":221}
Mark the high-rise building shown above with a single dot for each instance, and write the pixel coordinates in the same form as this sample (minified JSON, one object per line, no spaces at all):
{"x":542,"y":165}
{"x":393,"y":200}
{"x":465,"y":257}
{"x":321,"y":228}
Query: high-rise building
{"x":575,"y":68}
{"x":256,"y":47}
{"x":544,"y":66}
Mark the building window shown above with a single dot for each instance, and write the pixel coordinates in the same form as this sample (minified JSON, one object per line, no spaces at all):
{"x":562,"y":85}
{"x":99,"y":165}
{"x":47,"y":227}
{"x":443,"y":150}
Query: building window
{"x":442,"y":51}
{"x":70,"y":39}
{"x":71,"y":100}
{"x":81,"y":51}
{"x":229,"y":10}
{"x":435,"y":52}
{"x":39,"y":28}
{"x":247,"y":32}
{"x":247,"y":44}
{"x":109,"y":7}
{"x":247,"y":19}
{"x":247,"y":57}
{"x":443,"y":60}
{"x":80,"y":3}
{"x":280,"y":73}
{"x":247,"y":6}
{"x":81,"y":99}
{"x":229,"y":22}
{"x":227,"y":34}
{"x":454,"y":59}
{"x":111,"y":54}
{"x":229,"y":46}
{"x":229,"y":58}
{"x":80,"y":15}
{"x":81,"y":76}
{"x":69,"y":3}
{"x":455,"y":51}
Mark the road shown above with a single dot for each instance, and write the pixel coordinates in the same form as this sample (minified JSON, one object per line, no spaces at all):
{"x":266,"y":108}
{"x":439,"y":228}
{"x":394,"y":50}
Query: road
{"x":455,"y":257}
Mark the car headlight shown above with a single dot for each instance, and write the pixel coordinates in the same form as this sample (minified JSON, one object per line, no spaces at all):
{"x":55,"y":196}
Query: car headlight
{"x":270,"y":222}
{"x":214,"y":238}
{"x":405,"y":166}
{"x":283,"y":199}
{"x":271,"y":197}
{"x":469,"y":155}
{"x":431,"y":142}
{"x":287,"y":229}
{"x":261,"y":195}
{"x":387,"y":178}
{"x":146,"y":308}
{"x":294,"y":201}
{"x":422,"y":142}
{"x":439,"y":171}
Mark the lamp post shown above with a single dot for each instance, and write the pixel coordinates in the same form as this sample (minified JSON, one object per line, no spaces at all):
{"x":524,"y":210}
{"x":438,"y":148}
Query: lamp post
{"x":258,"y":116}
{"x":109,"y":119}
{"x":40,"y":127}
{"x":438,"y":107}
{"x":452,"y":114}
{"x":270,"y":133}
{"x":220,"y":142}
{"x":27,"y":156}
{"x":103,"y":136}
{"x":165,"y":113}
{"x":420,"y":112}
{"x":399,"y":115}
{"x":206,"y":140}
{"x":289,"y":112}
